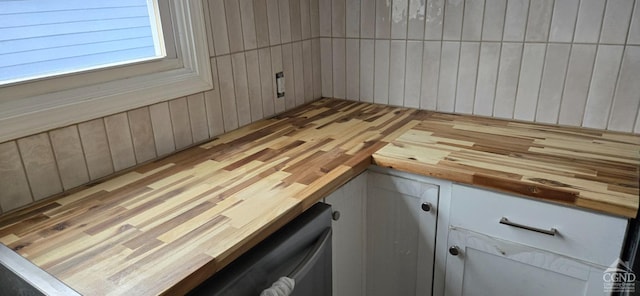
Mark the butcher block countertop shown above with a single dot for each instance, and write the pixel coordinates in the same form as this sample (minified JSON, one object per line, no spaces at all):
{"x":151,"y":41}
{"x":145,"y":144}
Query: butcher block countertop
{"x":579,"y":167}
{"x":164,"y":227}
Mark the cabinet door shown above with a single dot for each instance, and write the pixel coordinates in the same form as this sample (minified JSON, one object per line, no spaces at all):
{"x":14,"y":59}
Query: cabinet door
{"x":348,"y":237}
{"x":492,"y":267}
{"x":400,"y":235}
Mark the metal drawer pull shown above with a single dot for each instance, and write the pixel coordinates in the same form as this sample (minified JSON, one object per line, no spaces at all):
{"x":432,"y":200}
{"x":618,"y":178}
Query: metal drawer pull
{"x":506,"y":221}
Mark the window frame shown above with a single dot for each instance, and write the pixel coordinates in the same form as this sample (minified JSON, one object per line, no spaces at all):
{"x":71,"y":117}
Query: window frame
{"x":41,"y":105}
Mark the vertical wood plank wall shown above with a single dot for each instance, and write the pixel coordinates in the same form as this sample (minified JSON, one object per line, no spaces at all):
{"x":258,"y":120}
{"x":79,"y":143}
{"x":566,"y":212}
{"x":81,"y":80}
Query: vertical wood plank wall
{"x":573,"y":62}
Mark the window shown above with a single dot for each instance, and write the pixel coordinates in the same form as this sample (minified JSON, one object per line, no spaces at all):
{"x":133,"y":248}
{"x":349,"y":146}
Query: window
{"x":67,"y":61}
{"x":48,"y":38}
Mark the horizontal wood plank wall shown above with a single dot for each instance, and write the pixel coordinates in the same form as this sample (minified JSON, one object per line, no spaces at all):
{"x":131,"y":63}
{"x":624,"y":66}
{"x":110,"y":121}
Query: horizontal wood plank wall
{"x":149,"y":230}
{"x":572,"y":62}
{"x":246,"y":51}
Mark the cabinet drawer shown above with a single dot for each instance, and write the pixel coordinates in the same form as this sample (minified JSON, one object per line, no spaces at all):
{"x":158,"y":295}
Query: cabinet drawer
{"x":589,"y":236}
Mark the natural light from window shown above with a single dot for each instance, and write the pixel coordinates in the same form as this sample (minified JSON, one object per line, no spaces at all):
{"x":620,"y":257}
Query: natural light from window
{"x":41,"y":38}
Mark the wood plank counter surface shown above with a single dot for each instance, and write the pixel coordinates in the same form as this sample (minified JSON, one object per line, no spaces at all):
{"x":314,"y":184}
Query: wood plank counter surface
{"x":586,"y":168}
{"x":164,"y":227}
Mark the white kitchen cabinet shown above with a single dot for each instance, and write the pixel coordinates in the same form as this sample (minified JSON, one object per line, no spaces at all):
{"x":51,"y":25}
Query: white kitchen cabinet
{"x":348,"y":241}
{"x":487,"y":266}
{"x":401,"y":232}
{"x":386,"y":243}
{"x":504,"y":245}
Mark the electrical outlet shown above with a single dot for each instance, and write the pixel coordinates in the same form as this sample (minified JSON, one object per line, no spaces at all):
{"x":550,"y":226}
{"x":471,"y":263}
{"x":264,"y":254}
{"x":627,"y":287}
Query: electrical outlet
{"x":280,"y":84}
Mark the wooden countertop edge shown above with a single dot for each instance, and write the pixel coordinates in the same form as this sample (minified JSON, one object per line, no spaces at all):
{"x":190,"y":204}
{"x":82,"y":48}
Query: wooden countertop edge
{"x":520,"y":188}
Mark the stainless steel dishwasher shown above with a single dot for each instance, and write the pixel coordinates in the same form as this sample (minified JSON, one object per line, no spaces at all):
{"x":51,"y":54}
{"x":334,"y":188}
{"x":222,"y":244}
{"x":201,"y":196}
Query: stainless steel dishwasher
{"x":300,"y":250}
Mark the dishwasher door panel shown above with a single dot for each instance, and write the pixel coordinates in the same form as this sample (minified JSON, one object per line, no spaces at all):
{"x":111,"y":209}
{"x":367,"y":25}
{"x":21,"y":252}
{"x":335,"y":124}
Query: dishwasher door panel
{"x":301,"y":250}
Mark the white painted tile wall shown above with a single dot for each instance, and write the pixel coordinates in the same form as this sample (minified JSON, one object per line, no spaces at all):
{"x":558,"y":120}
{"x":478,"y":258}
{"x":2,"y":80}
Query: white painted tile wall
{"x":287,"y":66}
{"x":508,"y":74}
{"x":413,"y":71}
{"x":142,"y":134}
{"x":539,"y":21}
{"x":553,"y":81}
{"x":298,"y":71}
{"x":241,"y":85}
{"x":417,"y":9}
{"x":353,"y":68}
{"x":307,"y":69}
{"x":181,"y":123}
{"x":338,"y":18}
{"x":285,"y":21}
{"x":566,"y":62}
{"x":493,"y":22}
{"x":564,"y":20}
{"x":529,"y":81}
{"x":339,"y":68}
{"x":67,"y":150}
{"x":120,"y":143}
{"x":453,"y":13}
{"x":589,"y":21}
{"x":367,"y":70}
{"x":96,"y":146}
{"x":197,"y":117}
{"x":381,"y":72}
{"x":232,"y":13}
{"x":15,"y":187}
{"x":317,"y":68}
{"x":576,"y":87}
{"x":449,"y":61}
{"x":472,"y":26}
{"x":382,"y":19}
{"x":399,"y":16}
{"x":634,"y":30}
{"x":617,"y":15}
{"x":466,"y":89}
{"x":434,"y":18}
{"x":430,"y":74}
{"x":605,"y":73}
{"x":296,"y":20}
{"x":255,"y":88}
{"x":219,"y":25}
{"x":487,"y":78}
{"x":515,"y":20}
{"x":305,"y":18}
{"x":625,"y":100}
{"x":162,"y":130}
{"x":397,"y":62}
{"x":40,"y":165}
